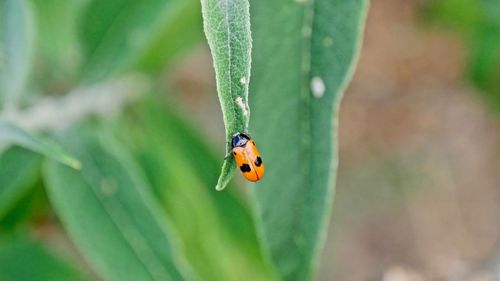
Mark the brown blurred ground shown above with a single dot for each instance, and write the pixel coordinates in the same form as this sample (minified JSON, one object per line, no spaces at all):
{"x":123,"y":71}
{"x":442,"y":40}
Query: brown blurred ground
{"x":418,"y":194}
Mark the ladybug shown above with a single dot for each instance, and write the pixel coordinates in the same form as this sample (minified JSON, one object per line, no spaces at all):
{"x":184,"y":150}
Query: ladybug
{"x":247,"y":157}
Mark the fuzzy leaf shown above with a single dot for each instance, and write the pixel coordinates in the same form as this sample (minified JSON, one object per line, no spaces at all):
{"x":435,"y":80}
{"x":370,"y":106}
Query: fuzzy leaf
{"x":305,"y":52}
{"x":227,"y":28}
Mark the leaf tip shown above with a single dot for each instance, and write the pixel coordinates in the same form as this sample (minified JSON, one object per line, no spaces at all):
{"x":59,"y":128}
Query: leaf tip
{"x":220,"y":187}
{"x":226,"y":174}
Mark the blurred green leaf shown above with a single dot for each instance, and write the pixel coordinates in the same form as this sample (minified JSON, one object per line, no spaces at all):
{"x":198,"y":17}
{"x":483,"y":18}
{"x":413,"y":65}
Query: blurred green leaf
{"x":116,"y":34}
{"x":464,"y":15}
{"x":304,"y":56}
{"x":25,"y":260}
{"x":478,"y":23}
{"x":32,"y":209}
{"x":16,"y":48}
{"x":180,"y":29}
{"x":484,"y":63}
{"x":11,"y":134}
{"x":227,"y":28}
{"x":216,"y":228}
{"x":110,"y":214}
{"x":57,"y":36}
{"x":18,"y":173}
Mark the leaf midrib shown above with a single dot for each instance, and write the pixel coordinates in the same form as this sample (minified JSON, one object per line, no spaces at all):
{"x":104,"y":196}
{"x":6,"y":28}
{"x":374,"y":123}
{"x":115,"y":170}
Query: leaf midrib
{"x":229,"y":50}
{"x":305,"y":98}
{"x":231,"y":127}
{"x":307,"y":28}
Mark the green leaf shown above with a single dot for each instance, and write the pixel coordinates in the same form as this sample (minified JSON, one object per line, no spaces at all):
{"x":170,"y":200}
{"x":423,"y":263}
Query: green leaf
{"x":182,"y":170}
{"x":10,"y":134}
{"x":110,"y":214}
{"x":478,"y":23}
{"x":305,"y":53}
{"x":26,"y":260}
{"x":463,"y":15}
{"x":180,"y":29}
{"x":117,"y":34}
{"x":16,"y":40}
{"x":17,"y":177}
{"x":57,"y":37}
{"x":227,"y":28}
{"x":226,"y":174}
{"x":32,"y":208}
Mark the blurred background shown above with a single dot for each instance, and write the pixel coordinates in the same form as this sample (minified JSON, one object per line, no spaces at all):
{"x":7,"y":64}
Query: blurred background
{"x":418,"y":191}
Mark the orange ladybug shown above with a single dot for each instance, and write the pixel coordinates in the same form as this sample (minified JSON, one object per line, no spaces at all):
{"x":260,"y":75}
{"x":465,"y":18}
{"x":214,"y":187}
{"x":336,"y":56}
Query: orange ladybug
{"x":247,"y":157}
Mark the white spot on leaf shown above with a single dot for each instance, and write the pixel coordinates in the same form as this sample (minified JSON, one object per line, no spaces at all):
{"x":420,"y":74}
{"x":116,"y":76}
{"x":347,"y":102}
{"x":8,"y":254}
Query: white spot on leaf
{"x":243,"y":81}
{"x":317,"y":87}
{"x":242,"y":105}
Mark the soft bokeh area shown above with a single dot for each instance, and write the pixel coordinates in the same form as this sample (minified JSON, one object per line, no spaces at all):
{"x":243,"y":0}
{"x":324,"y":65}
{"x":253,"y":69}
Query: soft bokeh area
{"x":418,"y":192}
{"x":418,"y":186}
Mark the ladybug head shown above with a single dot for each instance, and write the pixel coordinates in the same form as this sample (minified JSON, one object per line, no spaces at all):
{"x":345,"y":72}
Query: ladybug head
{"x":240,"y":140}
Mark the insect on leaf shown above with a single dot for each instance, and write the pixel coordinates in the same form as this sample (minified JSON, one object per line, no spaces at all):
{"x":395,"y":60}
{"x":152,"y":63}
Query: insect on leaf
{"x":227,"y":28}
{"x":181,"y":168}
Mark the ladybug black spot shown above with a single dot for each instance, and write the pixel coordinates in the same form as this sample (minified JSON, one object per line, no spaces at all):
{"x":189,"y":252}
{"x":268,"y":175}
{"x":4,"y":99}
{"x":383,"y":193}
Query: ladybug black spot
{"x":245,"y":168}
{"x":258,"y":161}
{"x":234,"y":153}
